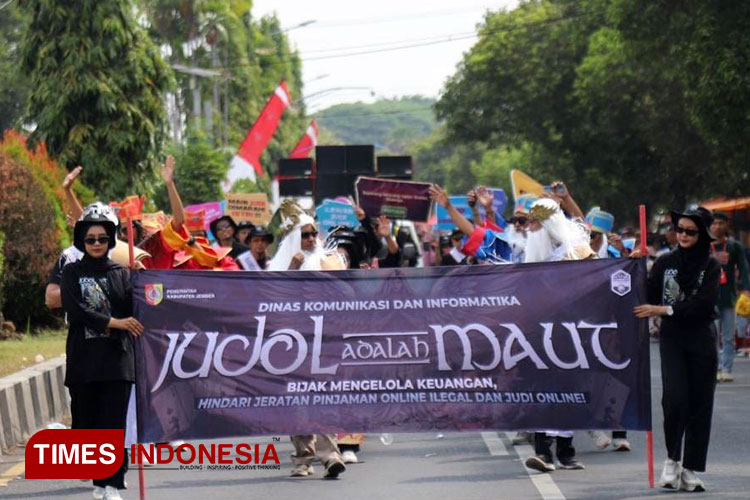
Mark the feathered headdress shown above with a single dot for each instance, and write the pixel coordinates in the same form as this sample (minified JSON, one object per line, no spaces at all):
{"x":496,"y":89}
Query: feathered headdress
{"x":291,"y":215}
{"x":543,"y":209}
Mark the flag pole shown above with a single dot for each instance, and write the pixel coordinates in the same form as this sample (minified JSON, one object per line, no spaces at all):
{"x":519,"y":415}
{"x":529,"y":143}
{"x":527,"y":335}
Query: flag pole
{"x":649,"y":433}
{"x":131,"y":250}
{"x":131,"y":256}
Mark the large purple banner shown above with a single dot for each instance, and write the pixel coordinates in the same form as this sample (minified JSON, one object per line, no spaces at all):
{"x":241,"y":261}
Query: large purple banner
{"x":533,"y":346}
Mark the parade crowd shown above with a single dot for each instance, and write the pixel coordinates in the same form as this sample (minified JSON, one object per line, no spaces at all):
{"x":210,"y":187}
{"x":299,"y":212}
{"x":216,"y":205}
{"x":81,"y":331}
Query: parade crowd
{"x":697,"y":289}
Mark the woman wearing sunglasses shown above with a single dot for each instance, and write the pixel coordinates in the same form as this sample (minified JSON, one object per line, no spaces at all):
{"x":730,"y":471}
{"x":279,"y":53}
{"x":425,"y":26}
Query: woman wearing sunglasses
{"x":100,"y":366}
{"x":685,"y":284}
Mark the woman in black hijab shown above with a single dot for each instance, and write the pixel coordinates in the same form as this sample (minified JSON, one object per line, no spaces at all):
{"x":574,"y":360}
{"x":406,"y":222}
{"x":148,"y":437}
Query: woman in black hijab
{"x":685,"y":284}
{"x":100,"y":365}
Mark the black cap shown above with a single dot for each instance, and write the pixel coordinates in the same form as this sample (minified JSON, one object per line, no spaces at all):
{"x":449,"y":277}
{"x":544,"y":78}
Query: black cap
{"x":261,"y":231}
{"x":245,"y":225}
{"x":215,"y":222}
{"x":702,"y":217}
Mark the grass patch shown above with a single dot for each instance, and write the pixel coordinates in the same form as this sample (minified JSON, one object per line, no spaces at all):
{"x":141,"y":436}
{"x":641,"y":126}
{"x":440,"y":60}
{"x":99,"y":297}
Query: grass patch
{"x":16,"y":355}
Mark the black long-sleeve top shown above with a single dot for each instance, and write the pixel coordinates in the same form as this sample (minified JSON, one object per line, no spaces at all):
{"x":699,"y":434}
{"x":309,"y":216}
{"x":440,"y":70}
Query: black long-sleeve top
{"x":693,"y":314}
{"x":92,"y":292}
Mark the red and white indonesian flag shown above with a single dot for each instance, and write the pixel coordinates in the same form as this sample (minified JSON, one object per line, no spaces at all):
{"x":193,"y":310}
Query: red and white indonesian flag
{"x":308,"y":142}
{"x":246,"y":163}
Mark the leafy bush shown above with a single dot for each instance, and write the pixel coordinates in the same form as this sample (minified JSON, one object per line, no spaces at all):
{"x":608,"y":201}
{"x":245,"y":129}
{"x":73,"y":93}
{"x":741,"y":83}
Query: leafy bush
{"x":49,"y":175}
{"x":27,"y":219}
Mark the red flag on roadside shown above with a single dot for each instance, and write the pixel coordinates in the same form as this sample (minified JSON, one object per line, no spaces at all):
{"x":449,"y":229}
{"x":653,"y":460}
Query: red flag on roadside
{"x":308,"y":142}
{"x":246,"y":163}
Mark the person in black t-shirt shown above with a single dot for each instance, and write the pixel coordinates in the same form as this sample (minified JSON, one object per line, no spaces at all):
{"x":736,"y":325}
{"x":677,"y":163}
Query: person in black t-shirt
{"x":683,"y":288}
{"x":100,"y":366}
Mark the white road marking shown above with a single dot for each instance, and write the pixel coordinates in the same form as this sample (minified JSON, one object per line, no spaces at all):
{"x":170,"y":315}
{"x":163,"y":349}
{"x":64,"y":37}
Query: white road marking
{"x":544,"y":483}
{"x":495,"y":444}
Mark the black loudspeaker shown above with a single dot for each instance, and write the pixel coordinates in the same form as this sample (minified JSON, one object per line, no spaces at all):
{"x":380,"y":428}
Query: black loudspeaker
{"x":360,"y":160}
{"x":295,"y":167}
{"x":296,"y":187}
{"x":331,"y":186}
{"x":395,"y":167}
{"x":330,"y":159}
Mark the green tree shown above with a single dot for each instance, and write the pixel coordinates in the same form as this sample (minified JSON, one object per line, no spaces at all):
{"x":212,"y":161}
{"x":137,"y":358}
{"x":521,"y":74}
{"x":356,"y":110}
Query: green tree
{"x":253,"y":57}
{"x":701,"y":47}
{"x":97,"y":85}
{"x":446,"y":162}
{"x":263,"y":185}
{"x":200,"y":169}
{"x":623,"y":100}
{"x":13,"y":23}
{"x":494,"y":166}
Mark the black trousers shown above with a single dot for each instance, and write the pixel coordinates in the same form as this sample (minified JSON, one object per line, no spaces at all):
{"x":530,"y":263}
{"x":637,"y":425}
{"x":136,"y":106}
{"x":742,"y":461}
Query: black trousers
{"x":102,"y":405}
{"x":543,"y":447}
{"x":688,"y":373}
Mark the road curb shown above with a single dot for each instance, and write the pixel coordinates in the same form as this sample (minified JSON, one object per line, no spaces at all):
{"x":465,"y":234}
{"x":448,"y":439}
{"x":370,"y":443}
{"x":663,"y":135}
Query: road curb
{"x":31,"y":399}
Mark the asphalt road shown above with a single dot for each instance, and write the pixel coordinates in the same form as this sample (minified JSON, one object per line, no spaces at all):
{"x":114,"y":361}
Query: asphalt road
{"x":455,"y":466}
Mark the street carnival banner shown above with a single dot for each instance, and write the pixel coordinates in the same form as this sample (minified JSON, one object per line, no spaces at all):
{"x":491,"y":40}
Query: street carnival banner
{"x":532,"y":346}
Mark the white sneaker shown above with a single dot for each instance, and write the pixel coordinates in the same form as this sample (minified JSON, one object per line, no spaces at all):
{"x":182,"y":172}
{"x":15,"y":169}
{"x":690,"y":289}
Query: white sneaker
{"x":349,"y":457}
{"x":621,"y":444}
{"x":302,"y":470}
{"x":601,"y":440}
{"x":111,"y":493}
{"x":690,"y":482}
{"x":670,"y":475}
{"x":98,"y":493}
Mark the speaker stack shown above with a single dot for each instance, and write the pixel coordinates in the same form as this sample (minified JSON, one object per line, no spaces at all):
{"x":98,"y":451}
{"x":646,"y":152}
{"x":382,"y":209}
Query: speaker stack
{"x":296,"y":177}
{"x":338,"y":168}
{"x":335,"y":170}
{"x":395,"y":167}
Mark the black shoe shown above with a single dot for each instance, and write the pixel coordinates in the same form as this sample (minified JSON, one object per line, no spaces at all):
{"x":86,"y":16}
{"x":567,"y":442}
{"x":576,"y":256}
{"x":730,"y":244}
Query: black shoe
{"x":570,"y":464}
{"x":540,"y":464}
{"x":333,"y":469}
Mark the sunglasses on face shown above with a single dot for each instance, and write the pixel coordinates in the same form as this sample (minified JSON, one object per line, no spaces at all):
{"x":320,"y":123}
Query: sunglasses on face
{"x":519,"y":220}
{"x":221,"y":227}
{"x":102,"y":240}
{"x":306,"y":234}
{"x":689,"y":232}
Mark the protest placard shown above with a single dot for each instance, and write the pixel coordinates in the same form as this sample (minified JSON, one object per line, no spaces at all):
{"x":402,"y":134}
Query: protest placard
{"x":499,"y":202}
{"x":524,"y":184}
{"x":211,"y":211}
{"x":395,"y":199}
{"x":248,"y":207}
{"x":334,"y":213}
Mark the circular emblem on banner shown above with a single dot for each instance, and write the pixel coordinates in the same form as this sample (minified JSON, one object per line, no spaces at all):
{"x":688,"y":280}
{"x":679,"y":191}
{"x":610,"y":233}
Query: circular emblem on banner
{"x":154,"y":293}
